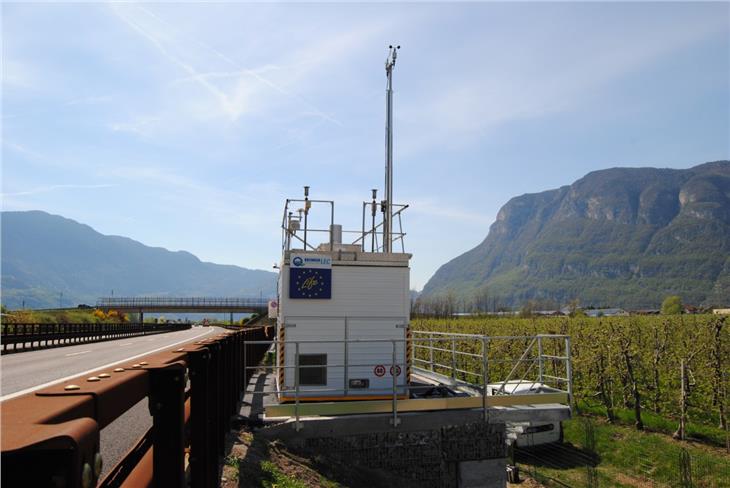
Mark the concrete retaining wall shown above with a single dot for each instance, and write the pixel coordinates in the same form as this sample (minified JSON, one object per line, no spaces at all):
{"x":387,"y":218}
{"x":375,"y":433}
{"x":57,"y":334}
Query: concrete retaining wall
{"x":446,"y":456}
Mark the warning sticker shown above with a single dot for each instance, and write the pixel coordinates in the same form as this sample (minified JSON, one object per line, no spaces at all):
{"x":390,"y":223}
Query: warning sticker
{"x":397,"y":370}
{"x":379,"y":370}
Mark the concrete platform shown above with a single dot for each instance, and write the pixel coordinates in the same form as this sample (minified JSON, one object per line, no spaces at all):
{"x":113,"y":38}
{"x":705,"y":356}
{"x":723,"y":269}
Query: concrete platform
{"x":260,"y":395}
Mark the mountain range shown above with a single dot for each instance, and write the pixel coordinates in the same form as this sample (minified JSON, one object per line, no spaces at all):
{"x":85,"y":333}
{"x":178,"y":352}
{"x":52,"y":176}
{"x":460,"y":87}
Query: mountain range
{"x":47,"y":258}
{"x":623,"y":237}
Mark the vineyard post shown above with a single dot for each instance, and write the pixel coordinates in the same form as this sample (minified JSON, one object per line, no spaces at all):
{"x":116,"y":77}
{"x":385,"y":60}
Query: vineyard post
{"x":569,"y":370}
{"x":485,"y":375}
{"x":681,"y":430}
{"x":539,"y":357}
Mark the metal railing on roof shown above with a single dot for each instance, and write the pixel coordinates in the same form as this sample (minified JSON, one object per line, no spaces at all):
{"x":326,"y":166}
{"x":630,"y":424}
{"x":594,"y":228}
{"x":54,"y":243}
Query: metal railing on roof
{"x":297,"y":233}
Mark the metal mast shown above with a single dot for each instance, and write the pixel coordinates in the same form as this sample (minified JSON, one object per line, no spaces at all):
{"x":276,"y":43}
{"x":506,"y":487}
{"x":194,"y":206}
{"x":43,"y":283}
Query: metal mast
{"x":388,"y":202}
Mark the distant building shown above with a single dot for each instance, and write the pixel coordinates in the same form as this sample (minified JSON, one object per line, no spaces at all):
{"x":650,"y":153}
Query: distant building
{"x":548,"y":313}
{"x":606,"y":312}
{"x":649,"y":311}
{"x":721,"y":311}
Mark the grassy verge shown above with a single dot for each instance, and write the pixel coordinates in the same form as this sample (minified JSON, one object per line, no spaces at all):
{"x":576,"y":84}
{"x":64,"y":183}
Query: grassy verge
{"x":624,"y":457}
{"x":657,"y":423}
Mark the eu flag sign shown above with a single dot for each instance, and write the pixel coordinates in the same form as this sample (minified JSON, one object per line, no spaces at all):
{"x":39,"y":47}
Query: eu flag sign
{"x":310,"y":283}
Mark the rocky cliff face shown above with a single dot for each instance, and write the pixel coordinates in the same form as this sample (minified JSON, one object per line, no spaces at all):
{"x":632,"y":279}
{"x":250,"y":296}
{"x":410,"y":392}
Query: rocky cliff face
{"x":621,"y":236}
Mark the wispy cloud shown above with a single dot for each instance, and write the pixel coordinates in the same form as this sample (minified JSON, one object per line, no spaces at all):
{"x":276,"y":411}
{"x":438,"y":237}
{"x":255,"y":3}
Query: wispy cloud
{"x":50,"y":188}
{"x":232,"y":110}
{"x":92,"y":100}
{"x":544,"y":79}
{"x":23,"y":150}
{"x":139,"y":126}
{"x":433,"y":208}
{"x":254,"y":73}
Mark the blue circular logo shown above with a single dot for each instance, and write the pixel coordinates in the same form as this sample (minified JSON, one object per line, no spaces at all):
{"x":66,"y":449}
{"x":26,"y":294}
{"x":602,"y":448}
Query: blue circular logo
{"x":297,"y":261}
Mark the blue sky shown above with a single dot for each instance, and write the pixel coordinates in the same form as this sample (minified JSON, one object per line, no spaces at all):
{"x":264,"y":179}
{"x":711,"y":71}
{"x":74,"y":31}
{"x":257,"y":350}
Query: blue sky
{"x":187,"y":125}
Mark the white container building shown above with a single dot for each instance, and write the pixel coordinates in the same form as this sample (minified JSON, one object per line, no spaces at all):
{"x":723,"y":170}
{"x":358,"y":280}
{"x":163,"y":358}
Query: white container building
{"x":345,"y":310}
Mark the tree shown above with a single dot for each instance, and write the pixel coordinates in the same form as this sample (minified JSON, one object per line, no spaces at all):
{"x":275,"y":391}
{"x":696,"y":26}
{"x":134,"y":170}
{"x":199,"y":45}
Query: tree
{"x":574,"y":308}
{"x":528,"y":309}
{"x":481,"y":299}
{"x":672,"y":305}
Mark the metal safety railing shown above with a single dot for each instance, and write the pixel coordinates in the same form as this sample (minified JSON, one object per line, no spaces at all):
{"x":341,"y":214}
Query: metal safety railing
{"x":30,"y":337}
{"x":544,"y":359}
{"x":471,"y":365}
{"x":51,"y":436}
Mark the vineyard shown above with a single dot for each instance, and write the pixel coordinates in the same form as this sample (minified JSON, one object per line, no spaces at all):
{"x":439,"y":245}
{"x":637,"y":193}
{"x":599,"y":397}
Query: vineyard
{"x":670,"y":372}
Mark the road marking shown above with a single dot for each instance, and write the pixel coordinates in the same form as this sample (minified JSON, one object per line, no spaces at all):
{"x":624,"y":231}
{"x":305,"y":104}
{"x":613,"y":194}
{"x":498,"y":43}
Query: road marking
{"x":61,"y":380}
{"x":77,"y":353}
{"x":153,"y":339}
{"x":126,"y":344}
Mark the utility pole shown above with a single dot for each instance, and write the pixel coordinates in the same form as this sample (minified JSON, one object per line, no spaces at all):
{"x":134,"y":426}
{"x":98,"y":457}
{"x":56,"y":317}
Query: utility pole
{"x":387,"y":206}
{"x":60,"y":299}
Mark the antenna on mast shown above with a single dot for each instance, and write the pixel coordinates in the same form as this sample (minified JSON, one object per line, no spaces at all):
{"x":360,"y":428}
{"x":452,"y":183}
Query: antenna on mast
{"x":387,"y":204}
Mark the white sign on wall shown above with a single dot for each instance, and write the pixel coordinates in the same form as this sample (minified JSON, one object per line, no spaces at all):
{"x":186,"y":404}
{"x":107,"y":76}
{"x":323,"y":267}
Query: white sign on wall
{"x":320,"y":261}
{"x":273,"y":309}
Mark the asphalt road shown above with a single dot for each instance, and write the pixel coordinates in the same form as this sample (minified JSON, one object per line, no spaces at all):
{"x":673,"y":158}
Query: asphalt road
{"x":25,"y":372}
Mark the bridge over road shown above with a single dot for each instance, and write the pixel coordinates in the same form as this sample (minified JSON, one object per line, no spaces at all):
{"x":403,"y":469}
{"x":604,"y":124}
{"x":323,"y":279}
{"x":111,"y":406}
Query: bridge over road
{"x":141,"y":305}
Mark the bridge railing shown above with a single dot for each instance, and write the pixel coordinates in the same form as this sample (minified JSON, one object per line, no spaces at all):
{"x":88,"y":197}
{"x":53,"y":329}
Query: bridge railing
{"x":146,"y":302}
{"x":29,"y":337}
{"x":51,"y":437}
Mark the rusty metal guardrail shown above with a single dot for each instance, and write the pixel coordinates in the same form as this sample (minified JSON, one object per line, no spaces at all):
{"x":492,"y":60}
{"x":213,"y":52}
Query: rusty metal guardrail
{"x":51,"y":437}
{"x":28,"y":337}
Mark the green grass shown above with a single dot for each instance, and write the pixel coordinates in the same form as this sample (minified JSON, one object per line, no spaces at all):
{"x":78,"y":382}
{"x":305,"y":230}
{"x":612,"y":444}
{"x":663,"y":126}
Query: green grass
{"x":627,"y":457}
{"x":657,"y":423}
{"x":277,"y":479}
{"x":235,"y":463}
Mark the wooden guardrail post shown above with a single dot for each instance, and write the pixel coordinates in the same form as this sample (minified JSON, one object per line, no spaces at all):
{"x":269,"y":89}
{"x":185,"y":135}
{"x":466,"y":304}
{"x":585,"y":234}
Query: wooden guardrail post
{"x":167,"y":407}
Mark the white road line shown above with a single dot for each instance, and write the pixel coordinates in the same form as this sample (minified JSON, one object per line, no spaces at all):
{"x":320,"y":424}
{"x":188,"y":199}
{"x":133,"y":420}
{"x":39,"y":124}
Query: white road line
{"x":61,"y":380}
{"x":126,"y":344}
{"x":153,"y":339}
{"x":77,"y":353}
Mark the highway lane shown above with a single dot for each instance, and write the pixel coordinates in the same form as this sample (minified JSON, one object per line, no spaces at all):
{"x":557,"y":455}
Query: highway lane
{"x":24,"y":372}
